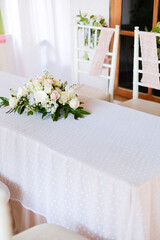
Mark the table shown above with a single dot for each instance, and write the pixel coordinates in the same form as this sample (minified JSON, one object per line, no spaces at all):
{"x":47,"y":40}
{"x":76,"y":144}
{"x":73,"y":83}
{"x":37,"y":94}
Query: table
{"x":99,"y":176}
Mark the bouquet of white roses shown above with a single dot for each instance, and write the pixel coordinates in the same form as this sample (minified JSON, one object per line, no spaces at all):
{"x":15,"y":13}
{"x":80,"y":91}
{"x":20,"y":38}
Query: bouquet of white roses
{"x":47,"y":96}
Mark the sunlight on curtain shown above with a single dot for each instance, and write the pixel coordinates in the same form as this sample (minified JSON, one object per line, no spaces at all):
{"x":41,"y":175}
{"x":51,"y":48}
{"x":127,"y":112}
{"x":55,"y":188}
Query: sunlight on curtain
{"x":41,"y":32}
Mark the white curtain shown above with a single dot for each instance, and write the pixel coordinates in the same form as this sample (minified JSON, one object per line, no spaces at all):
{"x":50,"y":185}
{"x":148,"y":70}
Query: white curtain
{"x":41,"y":36}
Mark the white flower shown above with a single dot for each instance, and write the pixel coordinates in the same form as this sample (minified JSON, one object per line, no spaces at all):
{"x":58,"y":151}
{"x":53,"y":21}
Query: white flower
{"x":94,"y":18}
{"x":58,"y":83}
{"x":70,"y":92}
{"x":30,"y":86}
{"x":99,"y":18}
{"x":35,"y":82}
{"x":58,"y":90}
{"x":55,"y":95}
{"x":40,"y":96}
{"x":51,"y":107}
{"x":48,"y":80}
{"x":47,"y":88}
{"x":22,"y":92}
{"x":54,"y":108}
{"x":31,"y":99}
{"x":63,"y":98}
{"x":74,"y":103}
{"x":13,"y":102}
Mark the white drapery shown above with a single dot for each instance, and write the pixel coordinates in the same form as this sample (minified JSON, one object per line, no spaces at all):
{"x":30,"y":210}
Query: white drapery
{"x":40,"y":31}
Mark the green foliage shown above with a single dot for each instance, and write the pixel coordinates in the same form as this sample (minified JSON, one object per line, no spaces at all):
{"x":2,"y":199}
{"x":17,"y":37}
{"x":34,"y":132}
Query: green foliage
{"x":66,"y":109}
{"x":157,"y":30}
{"x":92,"y":20}
{"x":4,"y":102}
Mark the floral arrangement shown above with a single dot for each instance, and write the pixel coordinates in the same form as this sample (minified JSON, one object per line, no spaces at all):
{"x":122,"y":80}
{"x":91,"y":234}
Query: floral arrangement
{"x":91,"y":20}
{"x":47,"y":96}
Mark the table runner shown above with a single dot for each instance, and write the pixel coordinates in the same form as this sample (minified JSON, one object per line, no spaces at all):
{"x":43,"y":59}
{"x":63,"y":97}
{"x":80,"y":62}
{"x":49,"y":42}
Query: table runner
{"x":98,"y":176}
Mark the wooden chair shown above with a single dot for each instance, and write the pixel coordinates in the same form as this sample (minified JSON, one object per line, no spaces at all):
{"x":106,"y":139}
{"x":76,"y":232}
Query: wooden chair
{"x":40,"y":232}
{"x":88,"y":90}
{"x":136,"y":103}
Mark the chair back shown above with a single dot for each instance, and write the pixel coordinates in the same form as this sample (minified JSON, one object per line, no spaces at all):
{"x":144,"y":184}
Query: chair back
{"x":137,"y":67}
{"x":86,"y":43}
{"x":5,"y":220}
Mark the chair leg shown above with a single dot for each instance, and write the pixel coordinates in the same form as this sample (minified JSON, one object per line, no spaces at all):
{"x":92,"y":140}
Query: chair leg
{"x":14,"y":229}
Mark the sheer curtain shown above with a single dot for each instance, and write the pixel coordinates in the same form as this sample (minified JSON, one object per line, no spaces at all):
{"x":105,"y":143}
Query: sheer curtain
{"x":41,"y":34}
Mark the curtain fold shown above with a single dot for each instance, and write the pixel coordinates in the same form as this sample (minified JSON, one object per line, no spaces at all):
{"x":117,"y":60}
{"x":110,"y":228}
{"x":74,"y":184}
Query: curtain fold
{"x":40,"y":36}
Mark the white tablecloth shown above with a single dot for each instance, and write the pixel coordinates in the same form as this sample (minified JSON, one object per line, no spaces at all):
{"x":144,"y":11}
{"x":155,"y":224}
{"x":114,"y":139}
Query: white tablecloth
{"x":99,"y":176}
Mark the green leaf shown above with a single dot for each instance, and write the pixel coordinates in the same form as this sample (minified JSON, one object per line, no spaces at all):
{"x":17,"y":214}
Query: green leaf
{"x":5,"y":102}
{"x":44,"y":114}
{"x":21,"y":109}
{"x":92,"y":16}
{"x":146,"y":29}
{"x":66,"y":113}
{"x":158,"y":25}
{"x":157,"y":30}
{"x":10,"y":111}
{"x":86,"y":56}
{"x":30,"y":113}
{"x":55,"y":116}
{"x":102,"y":21}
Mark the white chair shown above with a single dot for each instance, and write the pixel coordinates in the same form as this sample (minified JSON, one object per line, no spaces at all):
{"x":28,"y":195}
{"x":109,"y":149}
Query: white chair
{"x":40,"y":232}
{"x":136,"y":103}
{"x":5,"y":190}
{"x":84,"y":89}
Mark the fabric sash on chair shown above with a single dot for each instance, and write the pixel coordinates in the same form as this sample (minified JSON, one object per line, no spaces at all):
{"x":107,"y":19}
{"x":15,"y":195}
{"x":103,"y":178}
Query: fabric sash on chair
{"x":100,"y":54}
{"x":149,"y":60}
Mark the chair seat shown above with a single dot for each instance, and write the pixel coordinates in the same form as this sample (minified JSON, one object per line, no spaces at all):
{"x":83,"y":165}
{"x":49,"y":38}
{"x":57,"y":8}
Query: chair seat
{"x":6,"y":191}
{"x":143,"y":106}
{"x":91,"y":92}
{"x":47,"y":232}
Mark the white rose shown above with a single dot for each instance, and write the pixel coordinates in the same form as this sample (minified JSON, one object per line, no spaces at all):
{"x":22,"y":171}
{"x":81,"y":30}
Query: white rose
{"x":22,"y":92}
{"x":55,"y":95}
{"x":40,"y":96}
{"x":63,"y":98}
{"x":13,"y":102}
{"x":74,"y":103}
{"x":47,"y":88}
{"x":71,"y":93}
